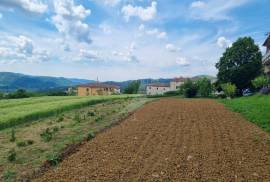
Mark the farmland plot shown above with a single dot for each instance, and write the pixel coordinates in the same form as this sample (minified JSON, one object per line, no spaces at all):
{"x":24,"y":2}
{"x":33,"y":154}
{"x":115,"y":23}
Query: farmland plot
{"x":172,"y":140}
{"x":17,"y":111}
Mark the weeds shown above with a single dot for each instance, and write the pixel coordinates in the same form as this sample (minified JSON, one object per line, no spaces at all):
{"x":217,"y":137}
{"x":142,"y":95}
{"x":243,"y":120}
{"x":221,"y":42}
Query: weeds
{"x":91,"y":113}
{"x":77,"y":118}
{"x":53,"y":159}
{"x":21,"y":144}
{"x":60,"y":119}
{"x":13,"y":137}
{"x":12,"y":155}
{"x":9,"y":175}
{"x":90,"y":135}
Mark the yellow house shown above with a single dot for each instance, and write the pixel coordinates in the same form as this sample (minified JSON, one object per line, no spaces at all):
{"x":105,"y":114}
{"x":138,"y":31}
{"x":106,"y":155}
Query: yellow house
{"x":97,"y":89}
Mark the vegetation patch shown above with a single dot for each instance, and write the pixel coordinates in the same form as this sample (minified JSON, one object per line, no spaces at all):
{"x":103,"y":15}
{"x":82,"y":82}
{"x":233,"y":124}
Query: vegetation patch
{"x":255,"y":108}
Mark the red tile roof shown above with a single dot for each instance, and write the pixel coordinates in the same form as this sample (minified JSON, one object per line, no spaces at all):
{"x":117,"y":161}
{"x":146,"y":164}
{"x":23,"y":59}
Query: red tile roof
{"x":98,"y":85}
{"x":179,"y":79}
{"x":158,"y":85}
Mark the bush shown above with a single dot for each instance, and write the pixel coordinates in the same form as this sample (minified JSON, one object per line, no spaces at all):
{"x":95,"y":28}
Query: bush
{"x":12,"y":155}
{"x":132,"y":88}
{"x":60,"y":119}
{"x":189,"y":89}
{"x":20,"y":93}
{"x":13,"y":137}
{"x":204,"y":87}
{"x":229,"y":89}
{"x":171,"y":93}
{"x":260,"y":82}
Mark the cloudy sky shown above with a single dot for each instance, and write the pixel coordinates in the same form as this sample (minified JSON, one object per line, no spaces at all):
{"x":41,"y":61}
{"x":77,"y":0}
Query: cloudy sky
{"x":124,"y":39}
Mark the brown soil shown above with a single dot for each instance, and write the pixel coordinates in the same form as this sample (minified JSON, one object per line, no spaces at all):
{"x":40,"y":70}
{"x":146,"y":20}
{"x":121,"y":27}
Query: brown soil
{"x":172,"y":140}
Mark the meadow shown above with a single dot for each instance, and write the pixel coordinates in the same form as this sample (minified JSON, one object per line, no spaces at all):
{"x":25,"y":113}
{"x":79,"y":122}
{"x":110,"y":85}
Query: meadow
{"x":255,"y":108}
{"x":18,"y":111}
{"x":25,"y":148}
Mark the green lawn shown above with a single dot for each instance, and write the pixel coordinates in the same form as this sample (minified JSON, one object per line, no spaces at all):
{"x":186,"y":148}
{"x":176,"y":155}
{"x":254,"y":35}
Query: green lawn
{"x":17,"y":111}
{"x":255,"y":108}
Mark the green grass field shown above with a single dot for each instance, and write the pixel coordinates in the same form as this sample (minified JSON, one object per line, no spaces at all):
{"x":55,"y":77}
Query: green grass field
{"x":18,"y":111}
{"x":255,"y":108}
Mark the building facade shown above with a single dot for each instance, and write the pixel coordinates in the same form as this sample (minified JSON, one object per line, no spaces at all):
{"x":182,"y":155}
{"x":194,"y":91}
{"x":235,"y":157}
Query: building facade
{"x":97,"y":89}
{"x":157,"y":89}
{"x":266,"y":57}
{"x":160,"y":89}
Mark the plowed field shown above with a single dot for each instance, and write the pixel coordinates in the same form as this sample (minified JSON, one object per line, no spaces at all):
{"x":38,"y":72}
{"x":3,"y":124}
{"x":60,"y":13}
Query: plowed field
{"x":172,"y":140}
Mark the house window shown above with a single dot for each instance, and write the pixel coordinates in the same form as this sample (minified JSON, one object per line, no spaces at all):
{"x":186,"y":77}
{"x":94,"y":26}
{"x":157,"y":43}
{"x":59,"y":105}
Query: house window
{"x":87,"y":90}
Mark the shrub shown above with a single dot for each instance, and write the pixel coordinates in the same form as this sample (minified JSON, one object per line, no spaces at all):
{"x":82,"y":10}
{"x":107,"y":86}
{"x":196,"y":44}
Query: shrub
{"x":13,"y":137}
{"x":171,"y":93}
{"x":21,"y":144}
{"x":229,"y":89}
{"x":11,"y":155}
{"x":90,"y":135}
{"x":99,"y":118}
{"x":204,"y":87}
{"x":189,"y":89}
{"x":260,"y":82}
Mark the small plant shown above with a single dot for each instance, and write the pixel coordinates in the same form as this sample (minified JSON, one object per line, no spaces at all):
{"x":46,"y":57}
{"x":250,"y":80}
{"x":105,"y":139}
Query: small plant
{"x":60,"y":119}
{"x":46,"y":135}
{"x":13,"y":137}
{"x":90,"y":135}
{"x":9,"y":175}
{"x":99,"y":118}
{"x":21,"y":144}
{"x":77,"y":117}
{"x":55,"y":129}
{"x":53,"y":159}
{"x":29,"y":142}
{"x":12,"y":155}
{"x":260,"y":82}
{"x":91,"y":113}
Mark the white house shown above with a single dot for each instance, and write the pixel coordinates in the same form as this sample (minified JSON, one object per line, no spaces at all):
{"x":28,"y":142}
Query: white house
{"x":266,"y":57}
{"x":160,"y":89}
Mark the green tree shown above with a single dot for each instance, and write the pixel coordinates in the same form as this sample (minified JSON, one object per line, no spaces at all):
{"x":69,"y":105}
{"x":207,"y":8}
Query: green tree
{"x":260,"y":82}
{"x":132,"y":88}
{"x":204,"y":87}
{"x":229,"y":89}
{"x":189,"y":89}
{"x":240,"y":63}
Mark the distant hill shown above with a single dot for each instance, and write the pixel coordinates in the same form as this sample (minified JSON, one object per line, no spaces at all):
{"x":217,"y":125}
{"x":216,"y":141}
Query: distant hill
{"x":13,"y":81}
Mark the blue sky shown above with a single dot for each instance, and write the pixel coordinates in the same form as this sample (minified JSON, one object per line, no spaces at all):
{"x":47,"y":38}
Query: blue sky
{"x":124,"y":39}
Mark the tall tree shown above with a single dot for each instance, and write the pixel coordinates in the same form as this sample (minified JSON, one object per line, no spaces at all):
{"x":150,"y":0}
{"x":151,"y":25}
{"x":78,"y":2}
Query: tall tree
{"x":132,"y":88}
{"x":240,"y":63}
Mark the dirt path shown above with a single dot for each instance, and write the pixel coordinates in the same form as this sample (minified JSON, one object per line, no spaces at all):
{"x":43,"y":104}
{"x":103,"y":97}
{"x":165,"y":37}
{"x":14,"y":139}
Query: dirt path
{"x":173,"y":140}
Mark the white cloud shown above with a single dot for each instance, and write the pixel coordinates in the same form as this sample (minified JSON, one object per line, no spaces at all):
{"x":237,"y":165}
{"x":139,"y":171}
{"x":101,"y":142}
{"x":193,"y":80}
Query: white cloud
{"x":91,"y":55}
{"x":153,"y":32}
{"x":172,"y":48}
{"x":182,"y":61}
{"x":222,"y":42}
{"x":214,"y":10}
{"x":110,"y":2}
{"x":145,"y":14}
{"x":105,"y":28}
{"x":69,"y":20}
{"x":33,"y":6}
{"x":1,"y":16}
{"x":198,"y":4}
{"x":21,"y":49}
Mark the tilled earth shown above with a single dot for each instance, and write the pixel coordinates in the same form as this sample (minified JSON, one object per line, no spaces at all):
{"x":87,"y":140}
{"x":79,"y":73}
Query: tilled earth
{"x":172,"y":140}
